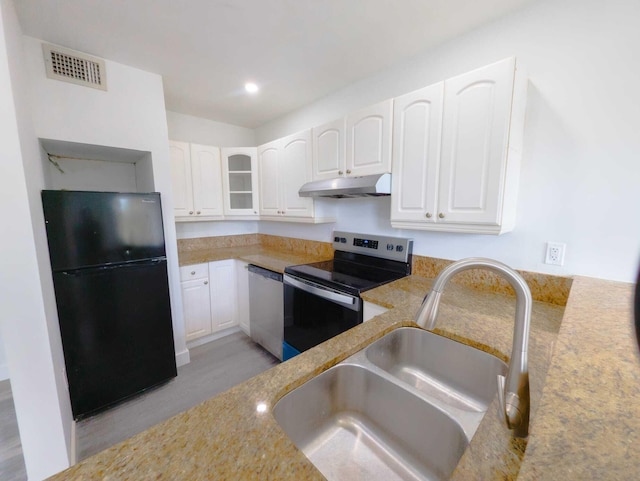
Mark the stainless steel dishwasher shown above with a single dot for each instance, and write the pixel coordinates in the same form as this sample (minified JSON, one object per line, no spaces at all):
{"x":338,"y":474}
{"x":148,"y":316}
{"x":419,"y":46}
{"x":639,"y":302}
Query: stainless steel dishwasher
{"x":266,"y":309}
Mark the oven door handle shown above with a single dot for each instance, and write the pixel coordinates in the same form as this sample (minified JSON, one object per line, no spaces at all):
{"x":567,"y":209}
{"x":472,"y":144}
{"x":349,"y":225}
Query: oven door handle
{"x":321,"y":291}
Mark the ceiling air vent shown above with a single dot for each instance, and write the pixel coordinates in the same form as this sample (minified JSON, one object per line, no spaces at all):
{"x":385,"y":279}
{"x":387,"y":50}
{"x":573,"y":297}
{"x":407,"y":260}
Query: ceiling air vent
{"x":75,"y":67}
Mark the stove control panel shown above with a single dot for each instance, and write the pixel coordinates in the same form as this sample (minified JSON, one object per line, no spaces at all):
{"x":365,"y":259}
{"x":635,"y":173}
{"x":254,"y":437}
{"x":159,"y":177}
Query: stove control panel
{"x":368,"y":243}
{"x":393,"y":248}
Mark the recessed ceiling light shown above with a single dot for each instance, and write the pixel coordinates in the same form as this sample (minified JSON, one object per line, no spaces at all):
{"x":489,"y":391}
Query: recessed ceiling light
{"x":251,"y":87}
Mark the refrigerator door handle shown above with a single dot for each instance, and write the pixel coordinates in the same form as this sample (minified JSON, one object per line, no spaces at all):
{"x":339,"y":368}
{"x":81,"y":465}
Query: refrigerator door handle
{"x":93,"y":270}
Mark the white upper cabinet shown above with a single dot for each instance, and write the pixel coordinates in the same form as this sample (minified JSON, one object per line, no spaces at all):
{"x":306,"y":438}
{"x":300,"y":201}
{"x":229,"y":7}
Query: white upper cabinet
{"x":477,"y":169}
{"x":295,"y":164}
{"x":284,"y":166}
{"x":207,"y":180}
{"x":269,"y":175}
{"x":329,"y":150}
{"x":181,"y":180}
{"x":240,"y":181}
{"x":475,"y":141}
{"x":417,"y":128}
{"x":368,"y":140}
{"x":196,"y":181}
{"x":359,"y":144}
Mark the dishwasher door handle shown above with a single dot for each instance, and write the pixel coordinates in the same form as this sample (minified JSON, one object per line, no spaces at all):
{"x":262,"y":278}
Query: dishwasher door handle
{"x":321,"y":291}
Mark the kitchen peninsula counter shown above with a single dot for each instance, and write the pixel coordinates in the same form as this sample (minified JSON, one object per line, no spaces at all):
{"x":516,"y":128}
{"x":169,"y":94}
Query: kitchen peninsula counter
{"x":226,"y":437}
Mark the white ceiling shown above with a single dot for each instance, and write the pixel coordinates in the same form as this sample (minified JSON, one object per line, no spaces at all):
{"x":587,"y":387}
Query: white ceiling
{"x":296,"y":50}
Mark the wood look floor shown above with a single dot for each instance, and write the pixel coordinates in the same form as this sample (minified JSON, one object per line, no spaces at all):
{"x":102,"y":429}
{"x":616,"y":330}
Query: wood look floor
{"x":214,"y":368}
{"x":11,"y":460}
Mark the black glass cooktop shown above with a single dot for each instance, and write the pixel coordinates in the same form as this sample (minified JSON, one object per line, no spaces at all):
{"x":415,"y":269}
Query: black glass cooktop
{"x":351,"y":273}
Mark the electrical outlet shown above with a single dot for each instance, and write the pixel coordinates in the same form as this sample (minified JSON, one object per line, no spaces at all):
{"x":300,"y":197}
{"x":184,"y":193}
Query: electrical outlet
{"x":555,"y":253}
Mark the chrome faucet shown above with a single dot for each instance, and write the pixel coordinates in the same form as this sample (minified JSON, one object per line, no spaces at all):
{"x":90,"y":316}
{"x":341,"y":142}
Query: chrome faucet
{"x":513,"y":392}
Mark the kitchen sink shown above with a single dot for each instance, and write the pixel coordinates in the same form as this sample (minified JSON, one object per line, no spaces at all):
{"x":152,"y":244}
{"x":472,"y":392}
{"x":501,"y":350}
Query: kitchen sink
{"x":456,"y":374}
{"x":403,"y":408}
{"x":353,"y":424}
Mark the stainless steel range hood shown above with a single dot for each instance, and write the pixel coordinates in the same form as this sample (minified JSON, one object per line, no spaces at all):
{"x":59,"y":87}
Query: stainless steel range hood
{"x":364,"y":186}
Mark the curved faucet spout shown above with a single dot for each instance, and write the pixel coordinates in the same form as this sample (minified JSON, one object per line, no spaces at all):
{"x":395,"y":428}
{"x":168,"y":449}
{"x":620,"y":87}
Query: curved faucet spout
{"x":513,"y":392}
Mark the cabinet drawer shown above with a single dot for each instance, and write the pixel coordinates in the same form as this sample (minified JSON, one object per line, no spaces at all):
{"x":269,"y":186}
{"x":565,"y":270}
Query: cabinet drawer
{"x":195,"y":271}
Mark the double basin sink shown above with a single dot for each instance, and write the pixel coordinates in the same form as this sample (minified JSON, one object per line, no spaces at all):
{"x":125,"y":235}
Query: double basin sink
{"x":405,"y":408}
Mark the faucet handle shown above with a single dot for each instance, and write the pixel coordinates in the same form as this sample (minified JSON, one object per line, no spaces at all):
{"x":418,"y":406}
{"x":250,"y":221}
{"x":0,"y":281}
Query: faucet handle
{"x":510,"y":410}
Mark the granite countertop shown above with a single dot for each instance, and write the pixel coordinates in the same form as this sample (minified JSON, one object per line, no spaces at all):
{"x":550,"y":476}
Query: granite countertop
{"x":593,"y":376}
{"x":588,"y":423}
{"x":269,"y":258}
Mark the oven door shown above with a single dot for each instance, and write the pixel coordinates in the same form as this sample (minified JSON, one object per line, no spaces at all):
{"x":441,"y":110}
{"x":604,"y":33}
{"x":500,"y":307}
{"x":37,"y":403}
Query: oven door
{"x":314,"y":313}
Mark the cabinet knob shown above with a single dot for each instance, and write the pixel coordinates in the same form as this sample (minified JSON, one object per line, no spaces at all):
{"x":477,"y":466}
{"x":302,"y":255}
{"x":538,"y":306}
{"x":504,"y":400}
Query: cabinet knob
{"x":348,"y":171}
{"x":254,"y":212}
{"x":441,"y":215}
{"x":190,"y":212}
{"x":206,"y":282}
{"x":428,"y":215}
{"x":340,"y":172}
{"x":193,"y":273}
{"x":198,"y":213}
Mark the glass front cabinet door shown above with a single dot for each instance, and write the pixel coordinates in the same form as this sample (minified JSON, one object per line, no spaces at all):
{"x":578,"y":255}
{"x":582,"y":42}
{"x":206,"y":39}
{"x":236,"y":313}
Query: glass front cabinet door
{"x":240,"y":181}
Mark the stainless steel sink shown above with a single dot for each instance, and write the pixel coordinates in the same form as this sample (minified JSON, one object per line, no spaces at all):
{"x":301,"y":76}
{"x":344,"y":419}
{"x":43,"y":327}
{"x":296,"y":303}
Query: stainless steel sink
{"x":403,"y":408}
{"x":354,"y":424}
{"x":454,"y":373}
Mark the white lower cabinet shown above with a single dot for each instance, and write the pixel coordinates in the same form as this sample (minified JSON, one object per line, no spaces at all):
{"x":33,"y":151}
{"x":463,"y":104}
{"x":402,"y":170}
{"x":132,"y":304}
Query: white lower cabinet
{"x":222,"y":275}
{"x":209,"y":298}
{"x":196,"y":300}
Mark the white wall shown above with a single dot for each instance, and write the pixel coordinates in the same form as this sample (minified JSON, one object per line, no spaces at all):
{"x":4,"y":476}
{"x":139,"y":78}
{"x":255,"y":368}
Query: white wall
{"x":130,"y":115}
{"x":89,"y":174}
{"x":580,"y":170}
{"x":209,"y":132}
{"x":27,"y":326}
{"x":190,"y":230}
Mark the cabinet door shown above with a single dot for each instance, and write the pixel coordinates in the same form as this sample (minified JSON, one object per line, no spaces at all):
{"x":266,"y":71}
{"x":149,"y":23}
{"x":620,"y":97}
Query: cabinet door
{"x":295,"y":170}
{"x":268,"y":172}
{"x":369,"y":140}
{"x":207,"y":180}
{"x":329,"y":150}
{"x":181,"y":181}
{"x":417,"y":127}
{"x":197,"y":308}
{"x":477,"y":110}
{"x":223,"y":294}
{"x":240,"y":181}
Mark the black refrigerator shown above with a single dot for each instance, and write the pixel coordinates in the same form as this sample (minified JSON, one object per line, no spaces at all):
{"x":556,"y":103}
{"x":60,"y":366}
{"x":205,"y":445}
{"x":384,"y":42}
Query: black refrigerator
{"x":112,"y":293}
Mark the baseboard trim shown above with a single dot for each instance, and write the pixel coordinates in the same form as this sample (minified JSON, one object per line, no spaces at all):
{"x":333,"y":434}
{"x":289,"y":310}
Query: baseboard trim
{"x":183,"y":358}
{"x":212,"y":337}
{"x":73,"y":455}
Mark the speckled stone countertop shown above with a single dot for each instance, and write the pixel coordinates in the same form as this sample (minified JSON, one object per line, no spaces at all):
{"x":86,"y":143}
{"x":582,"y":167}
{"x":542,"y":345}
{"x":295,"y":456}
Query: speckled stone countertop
{"x":588,"y":423}
{"x":269,"y":258}
{"x":270,"y":252}
{"x":225,"y":437}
